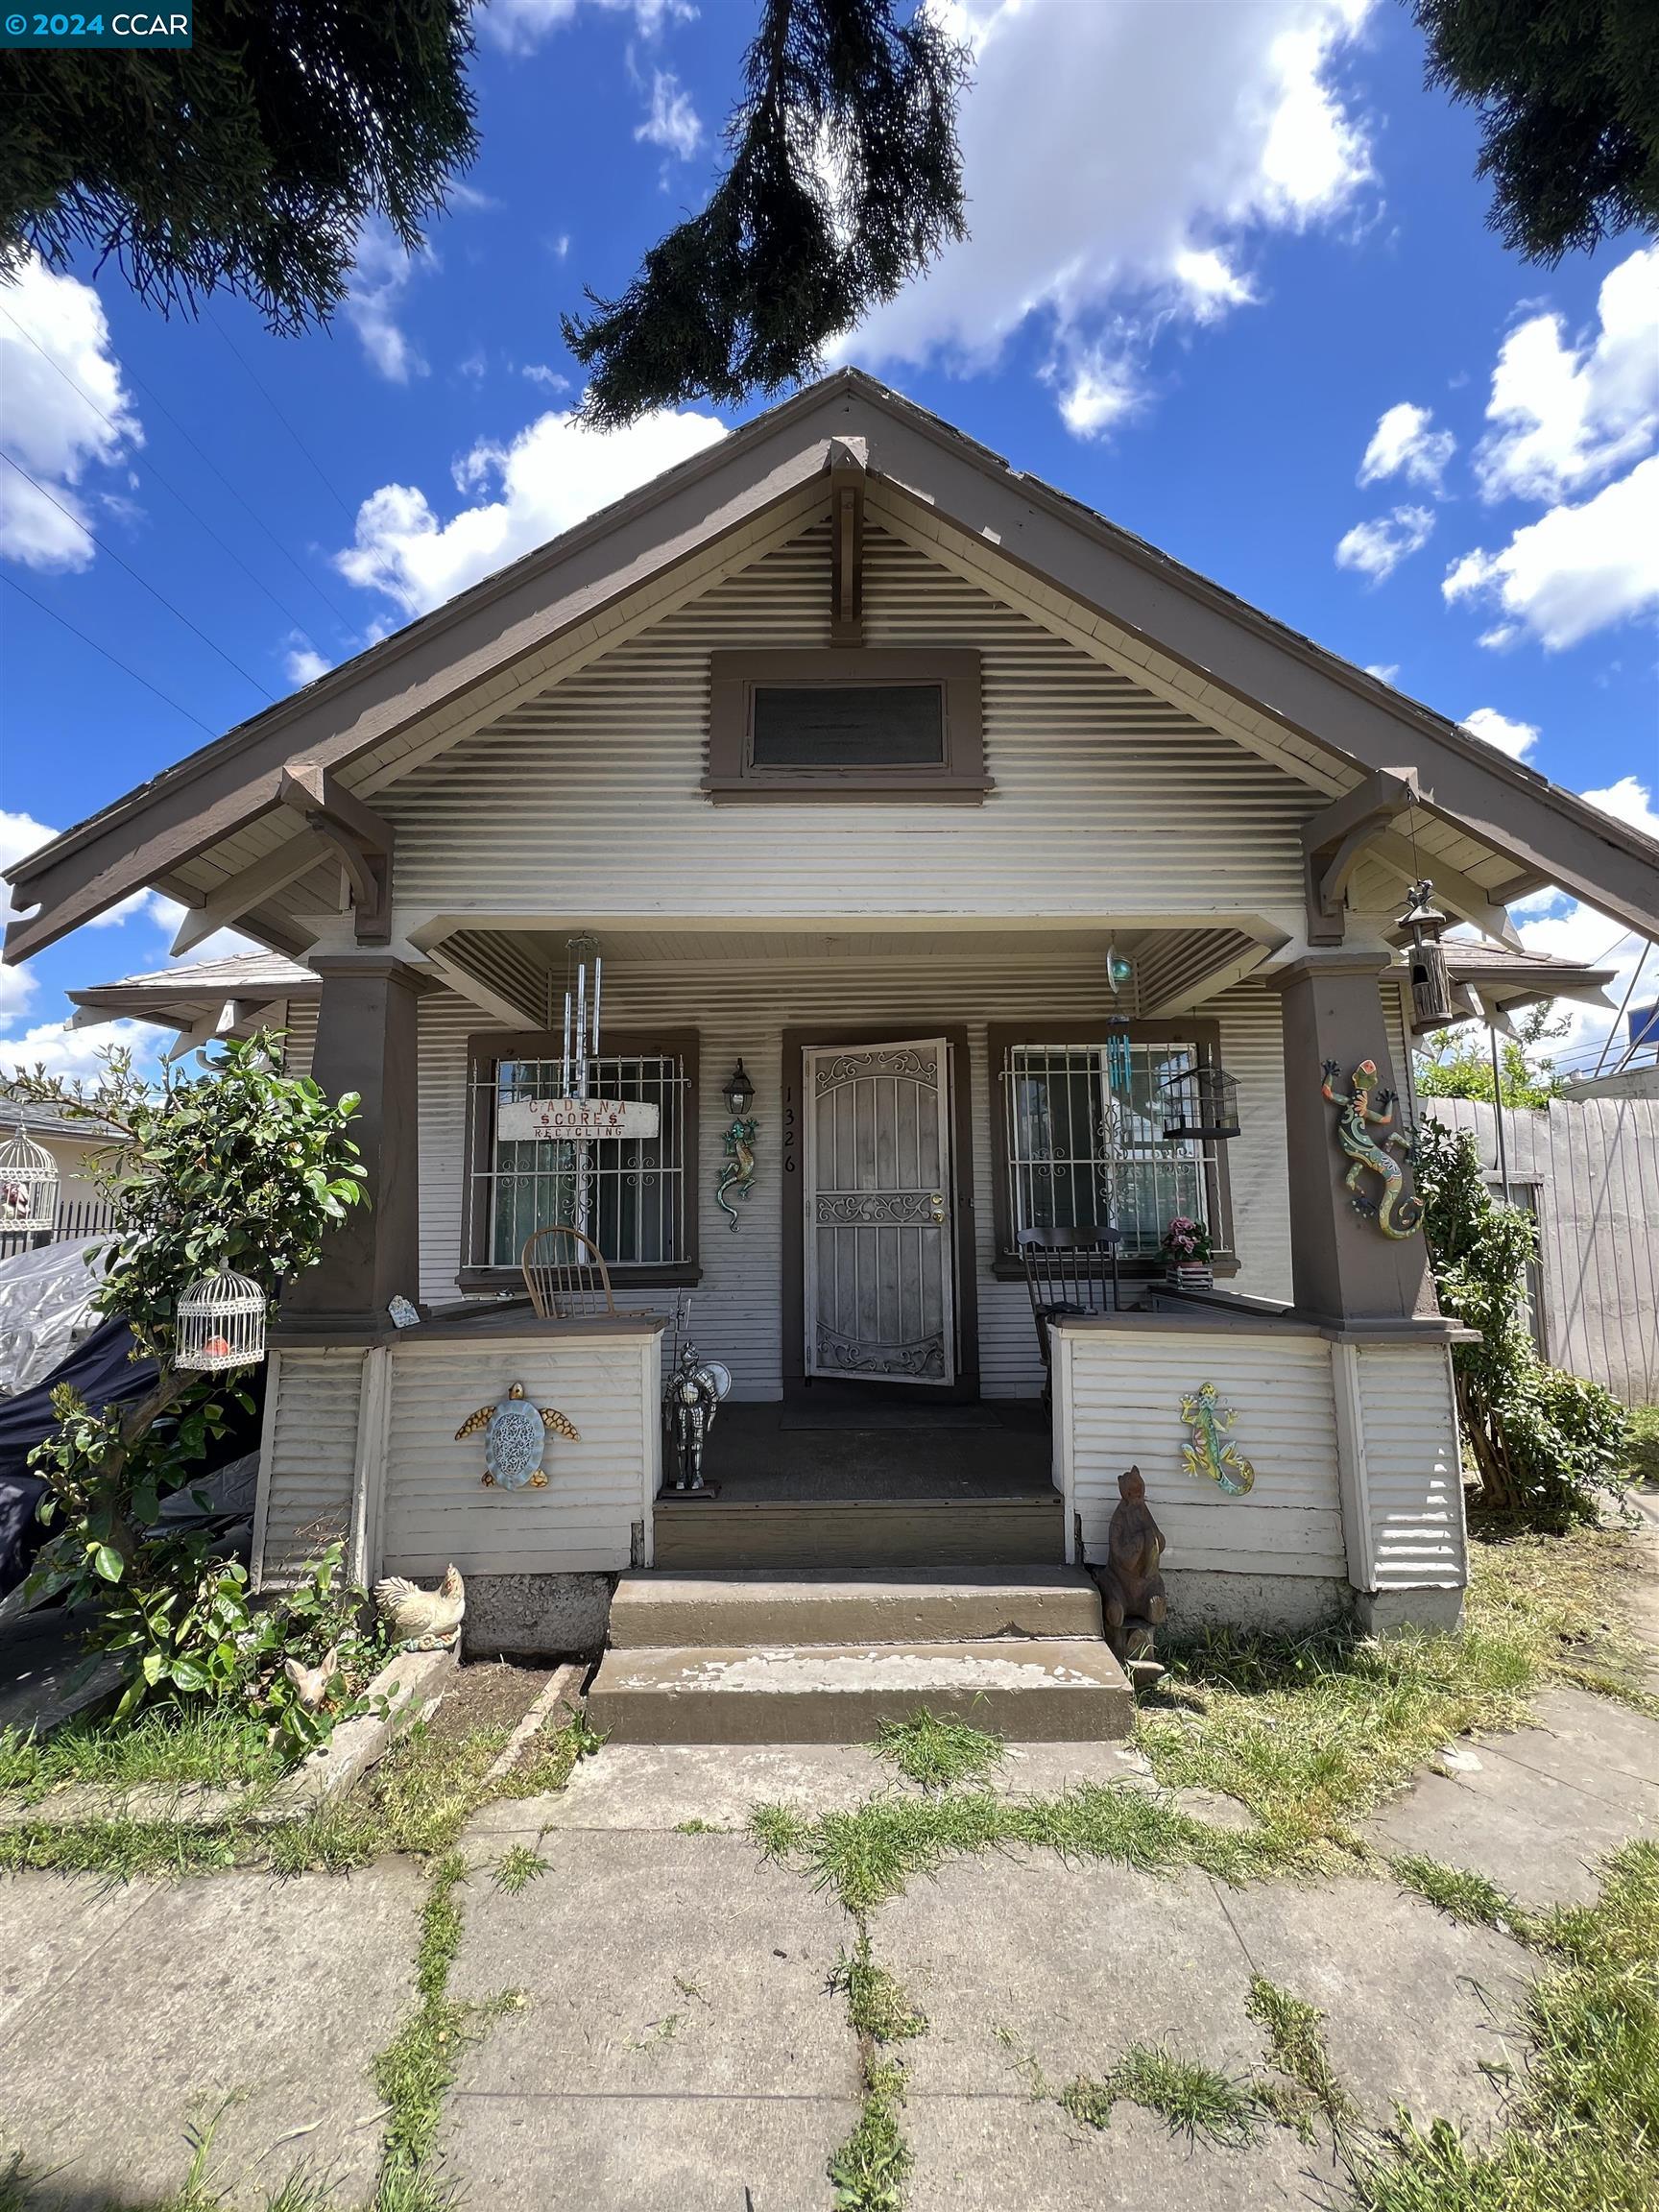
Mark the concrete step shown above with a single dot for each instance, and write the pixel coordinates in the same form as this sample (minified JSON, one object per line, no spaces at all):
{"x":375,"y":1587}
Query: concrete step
{"x":748,"y":1606}
{"x":1040,"y":1690}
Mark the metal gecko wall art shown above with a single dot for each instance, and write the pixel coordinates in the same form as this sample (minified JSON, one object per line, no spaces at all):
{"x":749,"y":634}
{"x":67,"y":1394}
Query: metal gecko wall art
{"x":1210,"y":1454}
{"x":738,"y":1177}
{"x":1394,"y":1213}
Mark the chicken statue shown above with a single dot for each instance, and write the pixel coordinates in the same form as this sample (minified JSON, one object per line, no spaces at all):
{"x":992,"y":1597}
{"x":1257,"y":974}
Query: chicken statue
{"x":517,"y":1438}
{"x":421,"y":1620}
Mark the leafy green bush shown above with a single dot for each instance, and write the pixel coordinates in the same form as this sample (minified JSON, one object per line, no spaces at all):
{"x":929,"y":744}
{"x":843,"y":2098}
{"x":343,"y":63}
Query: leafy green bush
{"x":238,"y":1167}
{"x":1545,"y":1443}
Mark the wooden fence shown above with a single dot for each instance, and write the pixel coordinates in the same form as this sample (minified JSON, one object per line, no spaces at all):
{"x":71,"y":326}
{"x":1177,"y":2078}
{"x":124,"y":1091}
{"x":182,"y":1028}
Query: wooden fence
{"x":1589,"y":1168}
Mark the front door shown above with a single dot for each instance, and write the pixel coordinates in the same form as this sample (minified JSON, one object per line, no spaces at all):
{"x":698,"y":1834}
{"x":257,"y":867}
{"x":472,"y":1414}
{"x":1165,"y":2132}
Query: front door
{"x":878,"y":1248}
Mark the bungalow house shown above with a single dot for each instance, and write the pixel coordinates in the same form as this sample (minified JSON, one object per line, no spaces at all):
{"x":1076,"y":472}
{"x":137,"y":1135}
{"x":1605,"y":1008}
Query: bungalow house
{"x":1031,"y":881}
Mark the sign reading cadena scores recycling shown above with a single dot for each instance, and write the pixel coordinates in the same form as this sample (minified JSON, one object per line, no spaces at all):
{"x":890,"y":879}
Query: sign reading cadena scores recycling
{"x":538,"y":1120}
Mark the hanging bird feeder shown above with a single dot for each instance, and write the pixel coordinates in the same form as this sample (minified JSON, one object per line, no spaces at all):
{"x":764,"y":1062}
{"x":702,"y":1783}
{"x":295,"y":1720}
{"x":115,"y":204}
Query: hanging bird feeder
{"x":1431,"y":1004}
{"x":1201,"y":1101}
{"x":221,"y":1324}
{"x":28,"y":1187}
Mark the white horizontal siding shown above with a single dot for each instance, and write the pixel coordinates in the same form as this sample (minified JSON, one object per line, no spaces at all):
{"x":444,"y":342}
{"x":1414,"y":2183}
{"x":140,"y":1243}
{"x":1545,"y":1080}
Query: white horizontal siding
{"x":305,"y":1478}
{"x":736,"y":1308}
{"x":436,"y":1508}
{"x":1125,"y":1410}
{"x":585,"y":799}
{"x":1413,"y":1485}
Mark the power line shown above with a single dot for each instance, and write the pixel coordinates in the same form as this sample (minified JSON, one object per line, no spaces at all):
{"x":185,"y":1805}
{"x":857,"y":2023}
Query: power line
{"x":270,"y":403}
{"x":66,"y":623}
{"x":162,"y":596}
{"x":1629,"y":994}
{"x":75,"y":386}
{"x":310,"y":582}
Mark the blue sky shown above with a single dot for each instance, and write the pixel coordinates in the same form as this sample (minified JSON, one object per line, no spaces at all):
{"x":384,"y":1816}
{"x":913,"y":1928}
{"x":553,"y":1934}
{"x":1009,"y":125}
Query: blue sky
{"x":1228,"y":259}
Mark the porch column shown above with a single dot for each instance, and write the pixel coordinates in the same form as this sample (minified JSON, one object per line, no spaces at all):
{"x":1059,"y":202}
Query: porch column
{"x":365,"y":1042}
{"x":1343,"y":1268}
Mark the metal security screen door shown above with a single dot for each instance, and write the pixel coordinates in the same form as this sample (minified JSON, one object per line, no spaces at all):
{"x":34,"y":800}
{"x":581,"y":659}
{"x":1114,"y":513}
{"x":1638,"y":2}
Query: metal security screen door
{"x":878,"y":1261}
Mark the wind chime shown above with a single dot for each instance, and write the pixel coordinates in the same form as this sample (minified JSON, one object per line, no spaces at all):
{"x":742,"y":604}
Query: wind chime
{"x":581,"y":1051}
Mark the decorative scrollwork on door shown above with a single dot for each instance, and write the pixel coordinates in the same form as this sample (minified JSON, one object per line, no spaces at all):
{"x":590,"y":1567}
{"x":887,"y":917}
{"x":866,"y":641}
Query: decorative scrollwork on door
{"x":903,"y":1060}
{"x":922,"y":1361}
{"x":878,"y":1208}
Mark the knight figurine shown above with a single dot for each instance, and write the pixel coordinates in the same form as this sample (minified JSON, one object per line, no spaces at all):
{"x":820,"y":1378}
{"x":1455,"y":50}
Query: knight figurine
{"x":1131,"y":1586}
{"x":689,"y":1406}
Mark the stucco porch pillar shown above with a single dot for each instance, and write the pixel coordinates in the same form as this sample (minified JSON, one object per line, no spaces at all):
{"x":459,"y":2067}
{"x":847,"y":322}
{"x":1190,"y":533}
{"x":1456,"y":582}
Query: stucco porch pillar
{"x":365,"y":1042}
{"x":1343,"y":1268}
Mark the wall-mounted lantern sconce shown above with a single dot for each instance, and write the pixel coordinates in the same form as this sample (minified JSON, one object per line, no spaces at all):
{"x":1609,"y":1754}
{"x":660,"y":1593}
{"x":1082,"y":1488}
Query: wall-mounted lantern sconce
{"x":738,"y":1177}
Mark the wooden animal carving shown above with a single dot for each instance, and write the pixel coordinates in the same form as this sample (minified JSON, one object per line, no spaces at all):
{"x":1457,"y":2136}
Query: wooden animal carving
{"x":517,"y":1439}
{"x":1131,"y":1586}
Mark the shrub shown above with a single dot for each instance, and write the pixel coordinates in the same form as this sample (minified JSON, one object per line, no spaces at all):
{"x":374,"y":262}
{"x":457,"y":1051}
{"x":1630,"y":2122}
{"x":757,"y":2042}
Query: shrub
{"x":1545,"y":1443}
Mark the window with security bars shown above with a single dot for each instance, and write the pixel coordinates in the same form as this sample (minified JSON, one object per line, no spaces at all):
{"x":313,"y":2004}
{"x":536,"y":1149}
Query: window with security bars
{"x":627,"y":1194}
{"x":1085,"y":1145}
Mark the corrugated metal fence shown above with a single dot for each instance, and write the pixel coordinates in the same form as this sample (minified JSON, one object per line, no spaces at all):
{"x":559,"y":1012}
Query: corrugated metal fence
{"x":1589,"y":1168}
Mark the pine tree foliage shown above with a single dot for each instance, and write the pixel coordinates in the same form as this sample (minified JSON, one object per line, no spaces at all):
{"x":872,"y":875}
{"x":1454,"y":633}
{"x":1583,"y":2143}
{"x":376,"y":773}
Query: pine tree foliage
{"x":844,"y":179}
{"x":246,"y":163}
{"x":1569,"y":95}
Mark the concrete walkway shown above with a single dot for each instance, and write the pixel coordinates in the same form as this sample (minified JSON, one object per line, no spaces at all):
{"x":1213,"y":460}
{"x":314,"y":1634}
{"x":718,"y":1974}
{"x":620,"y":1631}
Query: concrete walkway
{"x":678,"y":2048}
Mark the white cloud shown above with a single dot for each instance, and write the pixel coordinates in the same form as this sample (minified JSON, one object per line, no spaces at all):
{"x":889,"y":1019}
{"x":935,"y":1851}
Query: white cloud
{"x":1119,"y":161}
{"x":1385,"y":671}
{"x":1630,"y":802}
{"x":539,"y":373}
{"x":1567,"y":414}
{"x":1402,"y":445}
{"x":1377,"y":548}
{"x":673,"y":123}
{"x":54,"y":429}
{"x":519,"y":26}
{"x":73,"y":1052}
{"x":1516,"y":739}
{"x":302,"y":663}
{"x":1576,"y":569}
{"x":553,"y":473}
{"x":1098,"y":393}
{"x":380,"y":278}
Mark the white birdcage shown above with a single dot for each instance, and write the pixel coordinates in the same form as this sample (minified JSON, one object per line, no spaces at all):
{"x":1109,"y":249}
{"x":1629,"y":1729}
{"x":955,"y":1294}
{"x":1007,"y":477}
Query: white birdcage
{"x":28,"y":1185}
{"x":221,"y":1324}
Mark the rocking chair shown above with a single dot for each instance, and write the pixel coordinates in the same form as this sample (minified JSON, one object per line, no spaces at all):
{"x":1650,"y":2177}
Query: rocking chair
{"x":1065,"y":1278}
{"x":565,"y":1275}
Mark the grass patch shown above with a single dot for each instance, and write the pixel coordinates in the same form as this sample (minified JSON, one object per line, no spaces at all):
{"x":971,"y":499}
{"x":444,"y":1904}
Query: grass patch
{"x":1581,"y":2129}
{"x":869,"y":1854}
{"x":414,"y":2072}
{"x":1312,"y":1733}
{"x":517,"y":1867}
{"x":871,"y":2168}
{"x":876,"y":2005}
{"x":1470,"y":1899}
{"x":550,"y":1759}
{"x":416,"y":1800}
{"x":938,"y":1754}
{"x":164,"y":1747}
{"x":1191,"y":2100}
{"x":1294,"y":2037}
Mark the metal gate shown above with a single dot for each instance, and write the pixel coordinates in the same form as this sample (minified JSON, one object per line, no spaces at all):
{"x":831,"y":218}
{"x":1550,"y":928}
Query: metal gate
{"x":878,"y":1246}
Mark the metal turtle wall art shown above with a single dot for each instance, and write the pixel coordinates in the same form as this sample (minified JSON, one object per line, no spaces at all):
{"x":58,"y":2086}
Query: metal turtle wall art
{"x":517,"y":1439}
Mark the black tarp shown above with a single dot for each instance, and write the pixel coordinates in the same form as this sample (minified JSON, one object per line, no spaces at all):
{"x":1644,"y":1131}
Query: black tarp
{"x":102,"y":1372}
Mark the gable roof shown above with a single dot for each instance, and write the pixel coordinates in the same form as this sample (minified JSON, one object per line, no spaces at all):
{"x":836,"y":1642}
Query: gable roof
{"x":565,"y":592}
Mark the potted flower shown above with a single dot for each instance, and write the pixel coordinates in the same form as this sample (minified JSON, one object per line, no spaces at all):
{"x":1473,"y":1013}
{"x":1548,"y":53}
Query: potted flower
{"x":1187,"y":1253}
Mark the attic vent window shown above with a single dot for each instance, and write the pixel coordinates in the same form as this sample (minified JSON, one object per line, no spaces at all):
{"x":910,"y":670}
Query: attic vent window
{"x":847,"y":726}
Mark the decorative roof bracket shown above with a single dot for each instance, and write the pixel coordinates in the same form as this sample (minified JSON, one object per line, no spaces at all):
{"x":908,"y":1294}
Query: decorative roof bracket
{"x":847,"y":473}
{"x":1333,"y":839}
{"x":362,"y":838}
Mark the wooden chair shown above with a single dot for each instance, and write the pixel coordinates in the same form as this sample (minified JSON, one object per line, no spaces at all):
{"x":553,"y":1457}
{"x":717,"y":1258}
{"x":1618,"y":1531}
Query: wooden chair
{"x":565,"y":1275}
{"x":1065,"y":1277}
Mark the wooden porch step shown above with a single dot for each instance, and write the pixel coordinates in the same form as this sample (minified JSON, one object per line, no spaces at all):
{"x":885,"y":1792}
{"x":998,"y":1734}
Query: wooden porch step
{"x":1025,"y":1529}
{"x":761,"y":1606}
{"x":1034,"y":1690}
